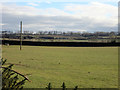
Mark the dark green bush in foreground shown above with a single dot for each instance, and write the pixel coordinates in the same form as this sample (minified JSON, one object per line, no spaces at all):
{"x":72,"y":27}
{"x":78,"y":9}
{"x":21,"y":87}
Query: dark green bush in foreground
{"x":11,"y":79}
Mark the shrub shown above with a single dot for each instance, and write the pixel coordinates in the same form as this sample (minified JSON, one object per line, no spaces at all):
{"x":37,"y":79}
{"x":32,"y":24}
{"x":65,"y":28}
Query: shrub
{"x":11,"y":78}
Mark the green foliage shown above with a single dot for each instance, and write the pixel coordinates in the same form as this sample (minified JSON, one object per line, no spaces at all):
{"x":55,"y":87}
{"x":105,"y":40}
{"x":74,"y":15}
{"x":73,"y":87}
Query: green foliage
{"x":49,"y":87}
{"x":76,"y":87}
{"x":10,"y":78}
{"x":63,"y":86}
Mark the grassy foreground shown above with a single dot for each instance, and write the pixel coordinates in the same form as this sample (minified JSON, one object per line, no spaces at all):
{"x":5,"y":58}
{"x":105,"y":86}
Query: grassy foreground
{"x":86,"y":67}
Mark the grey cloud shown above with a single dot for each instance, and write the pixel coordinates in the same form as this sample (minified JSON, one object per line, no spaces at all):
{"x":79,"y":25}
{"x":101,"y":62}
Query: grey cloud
{"x":60,"y":23}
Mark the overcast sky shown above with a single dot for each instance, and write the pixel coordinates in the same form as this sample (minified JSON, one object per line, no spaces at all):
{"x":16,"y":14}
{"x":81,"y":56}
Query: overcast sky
{"x":85,"y":15}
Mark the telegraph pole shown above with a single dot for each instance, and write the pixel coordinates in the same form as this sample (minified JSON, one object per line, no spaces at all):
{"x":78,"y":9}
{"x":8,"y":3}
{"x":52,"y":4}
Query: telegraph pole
{"x":21,"y":35}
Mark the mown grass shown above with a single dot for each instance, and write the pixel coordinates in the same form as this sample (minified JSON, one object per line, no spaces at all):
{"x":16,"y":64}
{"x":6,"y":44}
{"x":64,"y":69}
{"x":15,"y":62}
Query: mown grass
{"x":87,"y":67}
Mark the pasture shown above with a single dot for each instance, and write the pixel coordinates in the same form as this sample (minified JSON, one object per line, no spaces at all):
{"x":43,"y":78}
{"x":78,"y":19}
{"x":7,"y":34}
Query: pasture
{"x":87,"y":67}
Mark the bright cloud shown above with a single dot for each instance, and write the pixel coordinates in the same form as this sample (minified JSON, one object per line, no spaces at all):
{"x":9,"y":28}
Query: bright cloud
{"x":33,"y":4}
{"x":30,"y":10}
{"x":89,"y":17}
{"x":99,"y":12}
{"x":93,"y":10}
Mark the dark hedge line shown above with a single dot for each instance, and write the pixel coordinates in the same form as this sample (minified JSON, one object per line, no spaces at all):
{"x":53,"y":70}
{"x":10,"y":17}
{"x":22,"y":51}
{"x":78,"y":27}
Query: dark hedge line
{"x":68,"y":44}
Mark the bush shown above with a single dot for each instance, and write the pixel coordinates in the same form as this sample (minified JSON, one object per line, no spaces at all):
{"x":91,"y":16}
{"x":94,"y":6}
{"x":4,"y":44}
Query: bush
{"x":11,"y":78}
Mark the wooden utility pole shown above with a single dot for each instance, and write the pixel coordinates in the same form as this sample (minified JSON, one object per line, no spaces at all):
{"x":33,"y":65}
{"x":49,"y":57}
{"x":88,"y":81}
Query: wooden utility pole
{"x":21,"y":35}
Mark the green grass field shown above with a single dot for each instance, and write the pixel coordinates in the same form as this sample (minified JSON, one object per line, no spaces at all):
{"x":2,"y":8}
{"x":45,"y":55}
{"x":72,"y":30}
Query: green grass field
{"x":87,"y":67}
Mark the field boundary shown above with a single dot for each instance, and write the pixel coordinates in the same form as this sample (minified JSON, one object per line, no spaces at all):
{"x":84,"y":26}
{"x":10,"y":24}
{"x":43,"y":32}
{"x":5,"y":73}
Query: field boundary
{"x":68,"y":44}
